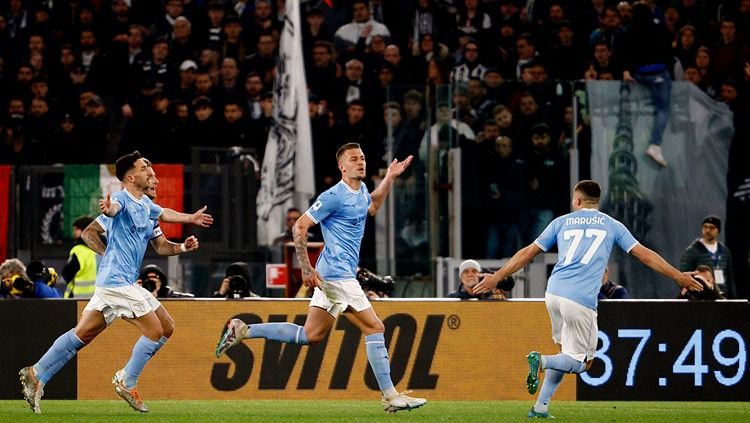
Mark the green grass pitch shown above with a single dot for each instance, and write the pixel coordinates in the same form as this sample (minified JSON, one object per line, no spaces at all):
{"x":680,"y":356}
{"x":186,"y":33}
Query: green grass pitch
{"x":370,"y":411}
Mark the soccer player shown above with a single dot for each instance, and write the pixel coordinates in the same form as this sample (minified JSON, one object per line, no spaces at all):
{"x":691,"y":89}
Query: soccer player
{"x":116,"y":294}
{"x":584,"y":241}
{"x":341,"y":211}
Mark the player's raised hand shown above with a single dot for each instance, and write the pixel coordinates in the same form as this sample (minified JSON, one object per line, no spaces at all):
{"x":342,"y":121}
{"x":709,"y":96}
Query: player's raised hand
{"x":201,"y":218}
{"x":396,"y":167}
{"x":310,"y":277}
{"x":191,"y":243}
{"x":105,"y":206}
{"x":486,"y":283}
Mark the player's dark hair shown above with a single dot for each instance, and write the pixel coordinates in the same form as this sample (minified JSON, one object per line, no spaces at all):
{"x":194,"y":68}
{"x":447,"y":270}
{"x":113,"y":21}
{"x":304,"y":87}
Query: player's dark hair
{"x":344,"y":148}
{"x":125,"y":163}
{"x":589,"y":190}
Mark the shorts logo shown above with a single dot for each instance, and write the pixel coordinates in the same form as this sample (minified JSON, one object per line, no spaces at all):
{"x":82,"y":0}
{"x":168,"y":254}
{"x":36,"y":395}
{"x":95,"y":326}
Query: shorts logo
{"x":316,"y":206}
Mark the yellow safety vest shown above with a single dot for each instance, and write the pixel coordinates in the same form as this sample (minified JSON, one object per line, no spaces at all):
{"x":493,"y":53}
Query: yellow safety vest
{"x":83,"y":284}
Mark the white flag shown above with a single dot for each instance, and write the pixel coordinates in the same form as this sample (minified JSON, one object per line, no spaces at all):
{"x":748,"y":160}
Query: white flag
{"x":287,"y":178}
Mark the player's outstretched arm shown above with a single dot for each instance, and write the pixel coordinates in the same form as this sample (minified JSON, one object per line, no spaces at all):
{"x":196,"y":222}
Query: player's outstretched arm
{"x":199,"y":218}
{"x":379,"y":194}
{"x":310,"y":277}
{"x":656,"y":262}
{"x":92,"y":237}
{"x":165,"y":247}
{"x":519,"y":260}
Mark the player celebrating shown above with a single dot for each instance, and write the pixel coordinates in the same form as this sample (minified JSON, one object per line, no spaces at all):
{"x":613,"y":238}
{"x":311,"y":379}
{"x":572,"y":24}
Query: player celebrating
{"x":341,"y":211}
{"x":116,"y":295}
{"x":584,"y":240}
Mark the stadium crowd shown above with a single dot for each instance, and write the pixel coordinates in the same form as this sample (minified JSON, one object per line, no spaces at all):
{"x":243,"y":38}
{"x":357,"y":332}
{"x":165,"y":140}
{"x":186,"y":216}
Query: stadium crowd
{"x":84,"y":81}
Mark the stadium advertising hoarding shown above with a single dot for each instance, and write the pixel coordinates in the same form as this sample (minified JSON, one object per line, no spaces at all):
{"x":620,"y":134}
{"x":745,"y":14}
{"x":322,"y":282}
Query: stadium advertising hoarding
{"x":648,"y":350}
{"x":441,"y":350}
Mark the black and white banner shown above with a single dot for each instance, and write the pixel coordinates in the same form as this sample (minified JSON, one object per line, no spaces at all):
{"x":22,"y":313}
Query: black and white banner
{"x":287,"y":178}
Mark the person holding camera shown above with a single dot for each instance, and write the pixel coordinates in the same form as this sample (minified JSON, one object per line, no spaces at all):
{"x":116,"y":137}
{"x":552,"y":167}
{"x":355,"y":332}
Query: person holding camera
{"x":236,"y":282}
{"x":130,"y":220}
{"x":153,"y":279}
{"x":17,"y":283}
{"x":341,"y":212}
{"x":469,"y":271}
{"x":706,"y":277}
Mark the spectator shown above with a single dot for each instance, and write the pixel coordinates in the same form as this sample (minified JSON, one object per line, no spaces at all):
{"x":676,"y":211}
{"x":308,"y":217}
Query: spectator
{"x":469,"y":272}
{"x":234,"y":45}
{"x":165,"y":24}
{"x":611,"y":290}
{"x":362,"y":26}
{"x":263,"y":61}
{"x":566,"y":55}
{"x":503,"y":193}
{"x":430,"y":19}
{"x":229,"y":87}
{"x":470,"y":65}
{"x":350,"y":87}
{"x":314,"y":29}
{"x":645,"y":52}
{"x":708,"y":250}
{"x":213,"y":31}
{"x":181,"y":45}
{"x":65,"y":143}
{"x":322,"y":73}
{"x":262,"y":23}
{"x":544,"y":181}
{"x":185,"y":89}
{"x":704,"y":275}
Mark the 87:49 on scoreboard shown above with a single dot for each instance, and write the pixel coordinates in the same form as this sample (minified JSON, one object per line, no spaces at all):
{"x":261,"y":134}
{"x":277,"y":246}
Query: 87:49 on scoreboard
{"x":678,"y":351}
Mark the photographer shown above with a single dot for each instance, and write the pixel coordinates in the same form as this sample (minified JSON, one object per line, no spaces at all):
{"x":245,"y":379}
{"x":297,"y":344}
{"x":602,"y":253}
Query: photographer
{"x":155,"y":281}
{"x":469,"y":271}
{"x":706,"y":278}
{"x":16,"y":283}
{"x":236,"y":282}
{"x":375,"y":286}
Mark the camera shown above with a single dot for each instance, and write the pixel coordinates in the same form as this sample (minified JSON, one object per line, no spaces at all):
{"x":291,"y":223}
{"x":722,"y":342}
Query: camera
{"x":149,"y":284}
{"x":16,"y":285}
{"x":238,"y":284}
{"x":374,"y":282}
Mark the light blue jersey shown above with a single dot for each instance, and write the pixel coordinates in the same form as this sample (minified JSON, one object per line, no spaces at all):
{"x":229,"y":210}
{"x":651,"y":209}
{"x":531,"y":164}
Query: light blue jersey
{"x":341,"y":213}
{"x":584,"y":241}
{"x":128,"y":233}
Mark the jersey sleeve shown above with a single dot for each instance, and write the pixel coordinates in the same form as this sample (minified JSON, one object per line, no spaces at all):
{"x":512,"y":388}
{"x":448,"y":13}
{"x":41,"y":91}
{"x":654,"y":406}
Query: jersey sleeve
{"x":624,"y":238}
{"x":119,"y":199}
{"x":154,"y":210}
{"x":548,"y":237}
{"x":326,"y":204}
{"x":103,"y":222}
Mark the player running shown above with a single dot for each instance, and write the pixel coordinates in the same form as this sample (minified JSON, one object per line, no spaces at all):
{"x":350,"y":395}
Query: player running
{"x":584,"y":240}
{"x":341,"y":212}
{"x":116,"y":294}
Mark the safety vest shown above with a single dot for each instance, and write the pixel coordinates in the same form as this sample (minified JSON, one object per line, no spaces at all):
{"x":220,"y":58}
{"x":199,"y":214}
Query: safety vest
{"x":83,"y":284}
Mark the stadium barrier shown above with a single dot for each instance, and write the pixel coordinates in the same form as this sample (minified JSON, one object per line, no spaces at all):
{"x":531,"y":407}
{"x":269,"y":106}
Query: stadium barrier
{"x":441,"y":349}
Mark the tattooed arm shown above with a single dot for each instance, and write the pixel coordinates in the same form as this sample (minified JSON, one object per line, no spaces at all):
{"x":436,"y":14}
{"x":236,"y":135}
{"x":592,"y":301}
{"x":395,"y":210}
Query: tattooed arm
{"x":310,"y":277}
{"x":92,"y":237}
